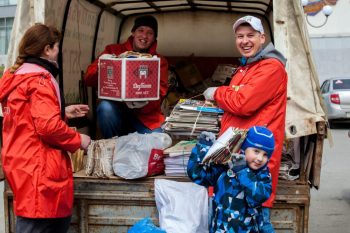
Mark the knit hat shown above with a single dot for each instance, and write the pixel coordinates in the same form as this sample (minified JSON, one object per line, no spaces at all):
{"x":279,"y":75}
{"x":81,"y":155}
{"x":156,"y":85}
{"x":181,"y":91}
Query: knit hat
{"x":146,"y":20}
{"x":261,"y":138}
{"x":254,"y":22}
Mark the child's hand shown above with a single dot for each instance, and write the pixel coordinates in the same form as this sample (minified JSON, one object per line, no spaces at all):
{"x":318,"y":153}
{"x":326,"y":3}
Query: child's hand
{"x":237,"y":162}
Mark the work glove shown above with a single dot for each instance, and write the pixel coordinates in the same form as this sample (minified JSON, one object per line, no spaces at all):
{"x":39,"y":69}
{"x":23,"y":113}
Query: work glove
{"x":237,"y":162}
{"x":209,"y":93}
{"x":136,"y":104}
{"x":207,"y":138}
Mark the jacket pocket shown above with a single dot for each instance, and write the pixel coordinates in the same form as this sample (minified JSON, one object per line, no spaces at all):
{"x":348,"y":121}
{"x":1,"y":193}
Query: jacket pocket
{"x":56,"y":167}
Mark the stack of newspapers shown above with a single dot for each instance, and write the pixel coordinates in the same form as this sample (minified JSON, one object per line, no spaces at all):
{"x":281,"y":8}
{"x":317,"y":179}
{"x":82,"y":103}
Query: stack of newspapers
{"x":190,"y":117}
{"x":176,"y":158}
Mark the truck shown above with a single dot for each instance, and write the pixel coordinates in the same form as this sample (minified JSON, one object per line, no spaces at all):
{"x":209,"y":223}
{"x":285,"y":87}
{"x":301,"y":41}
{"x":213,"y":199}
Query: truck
{"x":188,"y":29}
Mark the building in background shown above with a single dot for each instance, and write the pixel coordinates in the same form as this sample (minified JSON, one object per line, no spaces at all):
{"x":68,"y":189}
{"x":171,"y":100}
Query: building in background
{"x":331,"y":42}
{"x":7,"y":14}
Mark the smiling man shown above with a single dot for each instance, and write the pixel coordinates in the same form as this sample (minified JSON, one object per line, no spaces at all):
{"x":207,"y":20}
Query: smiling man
{"x":120,"y":118}
{"x":257,"y":94}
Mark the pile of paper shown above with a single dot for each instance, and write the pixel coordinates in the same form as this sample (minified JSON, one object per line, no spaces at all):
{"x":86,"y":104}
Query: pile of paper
{"x":176,"y":158}
{"x":226,"y":146}
{"x":190,"y":117}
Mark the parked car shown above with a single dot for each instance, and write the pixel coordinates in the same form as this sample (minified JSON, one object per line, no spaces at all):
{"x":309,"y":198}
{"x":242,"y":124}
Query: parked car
{"x":336,"y":95}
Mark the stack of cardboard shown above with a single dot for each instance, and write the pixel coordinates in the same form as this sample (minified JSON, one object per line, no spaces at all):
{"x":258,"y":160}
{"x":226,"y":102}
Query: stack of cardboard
{"x":190,"y":117}
{"x":176,"y":158}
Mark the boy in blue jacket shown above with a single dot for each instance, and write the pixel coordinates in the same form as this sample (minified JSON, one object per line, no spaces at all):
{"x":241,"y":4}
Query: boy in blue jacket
{"x":239,"y":190}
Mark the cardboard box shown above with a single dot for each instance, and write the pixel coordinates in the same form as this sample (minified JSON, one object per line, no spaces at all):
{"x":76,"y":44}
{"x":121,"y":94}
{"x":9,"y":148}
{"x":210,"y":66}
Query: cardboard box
{"x":223,"y":72}
{"x":188,"y":73}
{"x":133,"y":79}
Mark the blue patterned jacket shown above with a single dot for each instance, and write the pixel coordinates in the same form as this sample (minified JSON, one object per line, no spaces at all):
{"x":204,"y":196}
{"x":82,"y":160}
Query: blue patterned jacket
{"x":238,"y":192}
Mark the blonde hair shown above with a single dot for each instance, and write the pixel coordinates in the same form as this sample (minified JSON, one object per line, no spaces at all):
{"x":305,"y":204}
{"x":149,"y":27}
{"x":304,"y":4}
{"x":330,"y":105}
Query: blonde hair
{"x":34,"y":41}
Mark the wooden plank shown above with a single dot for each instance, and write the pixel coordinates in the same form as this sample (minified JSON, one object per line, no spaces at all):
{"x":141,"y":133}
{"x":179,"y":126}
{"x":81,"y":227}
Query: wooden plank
{"x":291,"y":188}
{"x":317,"y":163}
{"x":310,"y":159}
{"x":302,"y":176}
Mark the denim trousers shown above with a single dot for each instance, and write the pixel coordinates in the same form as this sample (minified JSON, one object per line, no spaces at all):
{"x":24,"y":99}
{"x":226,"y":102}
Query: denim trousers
{"x":116,"y":119}
{"x":42,"y":225}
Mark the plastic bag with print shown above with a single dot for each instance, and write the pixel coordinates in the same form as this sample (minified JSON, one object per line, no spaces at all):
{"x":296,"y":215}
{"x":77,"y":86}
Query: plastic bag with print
{"x":139,"y":155}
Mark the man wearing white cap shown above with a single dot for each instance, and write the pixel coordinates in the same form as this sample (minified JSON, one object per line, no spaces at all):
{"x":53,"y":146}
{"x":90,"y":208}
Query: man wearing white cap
{"x":257,"y":94}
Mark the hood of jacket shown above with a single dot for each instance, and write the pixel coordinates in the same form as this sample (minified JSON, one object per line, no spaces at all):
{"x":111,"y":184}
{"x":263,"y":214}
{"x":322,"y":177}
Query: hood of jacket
{"x":268,"y":52}
{"x":10,"y":81}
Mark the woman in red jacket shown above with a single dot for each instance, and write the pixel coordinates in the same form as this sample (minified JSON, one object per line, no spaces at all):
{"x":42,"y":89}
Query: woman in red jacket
{"x":36,"y":136}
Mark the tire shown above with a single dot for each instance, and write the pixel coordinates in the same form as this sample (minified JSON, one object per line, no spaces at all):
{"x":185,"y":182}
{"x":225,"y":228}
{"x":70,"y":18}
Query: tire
{"x":331,"y":124}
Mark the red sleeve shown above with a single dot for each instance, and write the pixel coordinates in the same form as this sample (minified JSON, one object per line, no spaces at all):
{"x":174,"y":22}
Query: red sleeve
{"x":91,"y":74}
{"x":163,"y":88}
{"x":261,"y":88}
{"x":46,"y":116}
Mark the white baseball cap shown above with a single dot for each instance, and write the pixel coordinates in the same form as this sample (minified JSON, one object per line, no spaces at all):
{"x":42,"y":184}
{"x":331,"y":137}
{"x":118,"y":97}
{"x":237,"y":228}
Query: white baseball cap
{"x":253,"y":21}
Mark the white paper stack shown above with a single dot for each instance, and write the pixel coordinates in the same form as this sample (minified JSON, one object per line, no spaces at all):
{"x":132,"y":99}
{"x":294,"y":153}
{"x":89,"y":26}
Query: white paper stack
{"x":176,"y":166}
{"x":176,"y":158}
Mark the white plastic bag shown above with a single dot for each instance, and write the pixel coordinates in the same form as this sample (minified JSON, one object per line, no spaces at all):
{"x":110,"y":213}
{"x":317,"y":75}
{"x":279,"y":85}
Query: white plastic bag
{"x":132,"y":153}
{"x":182,"y":206}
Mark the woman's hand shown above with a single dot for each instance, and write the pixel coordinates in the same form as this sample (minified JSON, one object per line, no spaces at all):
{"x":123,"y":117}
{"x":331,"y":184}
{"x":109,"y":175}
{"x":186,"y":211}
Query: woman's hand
{"x":85,"y":142}
{"x":76,"y":110}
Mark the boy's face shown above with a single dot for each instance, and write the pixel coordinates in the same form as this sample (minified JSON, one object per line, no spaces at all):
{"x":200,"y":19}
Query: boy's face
{"x":256,"y":158}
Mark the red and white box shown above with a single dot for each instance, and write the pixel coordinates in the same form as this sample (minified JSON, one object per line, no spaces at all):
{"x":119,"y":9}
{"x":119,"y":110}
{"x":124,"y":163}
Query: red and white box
{"x":130,"y":79}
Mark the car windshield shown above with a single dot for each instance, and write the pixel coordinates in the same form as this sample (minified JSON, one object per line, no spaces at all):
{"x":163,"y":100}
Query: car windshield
{"x":339,"y":84}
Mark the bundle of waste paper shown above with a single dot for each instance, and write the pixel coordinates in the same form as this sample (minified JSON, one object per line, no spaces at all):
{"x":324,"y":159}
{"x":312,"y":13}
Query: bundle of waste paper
{"x":191,"y":117}
{"x":226,"y":146}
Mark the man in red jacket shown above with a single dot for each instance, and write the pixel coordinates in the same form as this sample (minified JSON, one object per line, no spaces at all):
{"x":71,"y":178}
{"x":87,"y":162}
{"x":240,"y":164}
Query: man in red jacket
{"x":120,"y":118}
{"x":257,"y":94}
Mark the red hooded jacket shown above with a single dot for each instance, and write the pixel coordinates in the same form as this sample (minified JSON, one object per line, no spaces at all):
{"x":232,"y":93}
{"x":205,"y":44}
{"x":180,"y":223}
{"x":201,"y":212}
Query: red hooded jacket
{"x":35,"y":141}
{"x":257,"y":96}
{"x":150,"y":115}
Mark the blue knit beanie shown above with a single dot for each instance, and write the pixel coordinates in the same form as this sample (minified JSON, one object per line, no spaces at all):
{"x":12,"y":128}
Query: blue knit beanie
{"x":261,"y":138}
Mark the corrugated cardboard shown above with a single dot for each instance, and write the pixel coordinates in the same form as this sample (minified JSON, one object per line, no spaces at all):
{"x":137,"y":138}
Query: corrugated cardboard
{"x":188,"y":73}
{"x":223,"y":72}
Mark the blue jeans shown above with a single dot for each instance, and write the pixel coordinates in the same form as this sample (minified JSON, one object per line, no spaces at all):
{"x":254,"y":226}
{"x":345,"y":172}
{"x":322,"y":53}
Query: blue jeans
{"x":42,"y":225}
{"x":116,"y":119}
{"x":267,"y":225}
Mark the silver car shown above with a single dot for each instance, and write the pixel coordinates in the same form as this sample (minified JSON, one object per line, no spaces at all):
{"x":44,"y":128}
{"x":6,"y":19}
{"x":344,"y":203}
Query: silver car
{"x":336,"y":95}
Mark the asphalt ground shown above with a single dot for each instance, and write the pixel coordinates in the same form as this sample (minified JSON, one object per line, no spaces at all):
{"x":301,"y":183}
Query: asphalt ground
{"x":330,"y":205}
